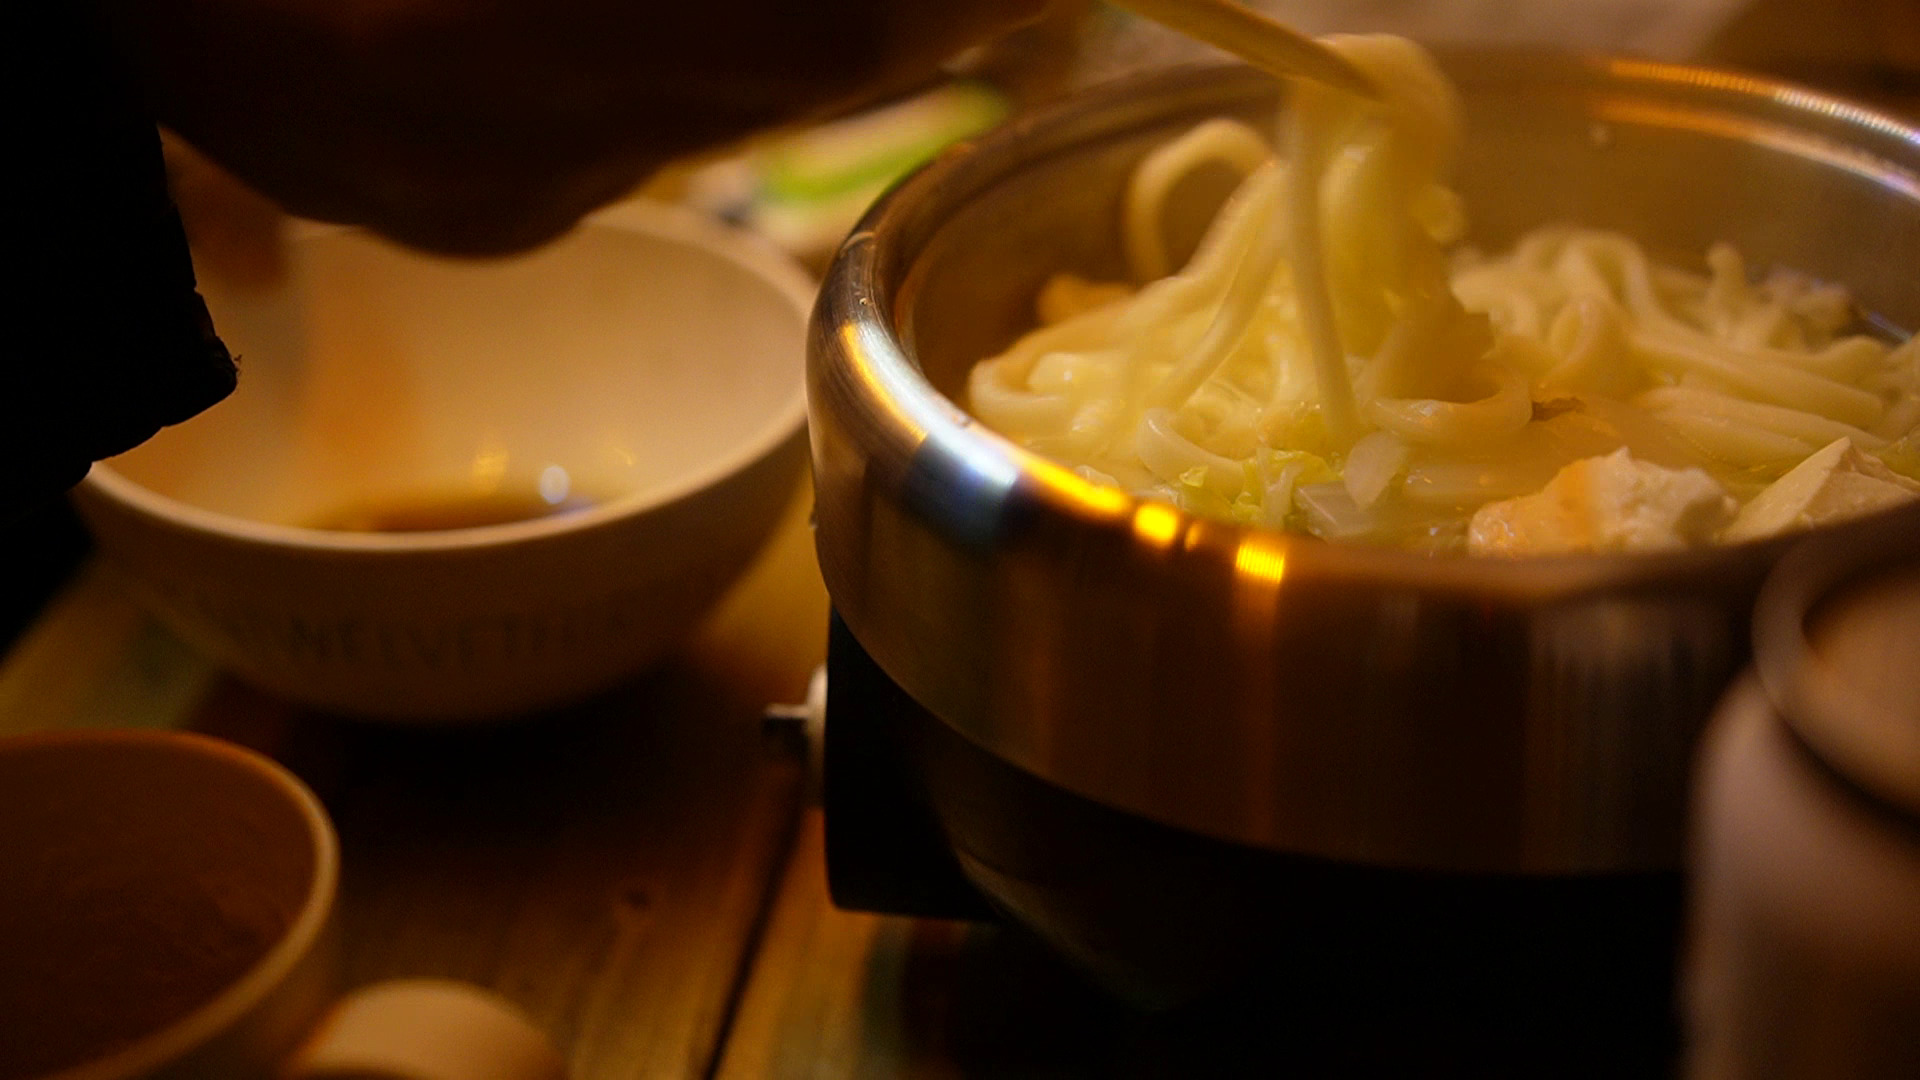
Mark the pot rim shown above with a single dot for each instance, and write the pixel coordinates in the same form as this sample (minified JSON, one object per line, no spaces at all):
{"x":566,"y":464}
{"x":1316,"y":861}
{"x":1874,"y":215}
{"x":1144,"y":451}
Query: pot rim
{"x":861,"y":286}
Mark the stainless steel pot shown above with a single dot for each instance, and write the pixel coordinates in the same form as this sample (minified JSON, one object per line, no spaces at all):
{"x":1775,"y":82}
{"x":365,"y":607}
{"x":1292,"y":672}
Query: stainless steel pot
{"x":1274,"y":691}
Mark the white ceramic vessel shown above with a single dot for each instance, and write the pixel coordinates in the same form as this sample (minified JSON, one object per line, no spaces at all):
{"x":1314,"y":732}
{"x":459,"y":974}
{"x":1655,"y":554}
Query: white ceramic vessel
{"x":644,"y":375}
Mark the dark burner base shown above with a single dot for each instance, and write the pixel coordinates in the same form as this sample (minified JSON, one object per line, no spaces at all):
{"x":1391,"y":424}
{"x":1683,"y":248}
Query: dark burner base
{"x":1230,"y":958}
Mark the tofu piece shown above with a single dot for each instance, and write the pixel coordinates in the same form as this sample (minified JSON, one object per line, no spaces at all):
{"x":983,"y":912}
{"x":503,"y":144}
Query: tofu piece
{"x":1835,"y":483}
{"x":1611,"y":503}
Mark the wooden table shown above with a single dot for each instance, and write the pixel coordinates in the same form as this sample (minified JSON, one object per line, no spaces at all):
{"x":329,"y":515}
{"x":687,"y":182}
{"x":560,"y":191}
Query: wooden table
{"x":607,"y":867}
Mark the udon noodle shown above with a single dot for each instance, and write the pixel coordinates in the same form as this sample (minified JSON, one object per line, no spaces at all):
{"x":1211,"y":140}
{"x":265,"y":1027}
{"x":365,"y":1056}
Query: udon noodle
{"x":1325,"y":362}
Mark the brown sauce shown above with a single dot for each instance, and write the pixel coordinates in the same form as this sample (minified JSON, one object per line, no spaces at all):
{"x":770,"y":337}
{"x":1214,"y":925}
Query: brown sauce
{"x":437,"y":513}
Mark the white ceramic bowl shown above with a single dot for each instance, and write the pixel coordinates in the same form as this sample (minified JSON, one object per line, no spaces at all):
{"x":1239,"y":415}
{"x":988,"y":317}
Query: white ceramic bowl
{"x":649,"y":364}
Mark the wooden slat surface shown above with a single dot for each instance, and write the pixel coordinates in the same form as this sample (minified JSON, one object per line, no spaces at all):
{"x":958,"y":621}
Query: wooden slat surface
{"x":828,"y":988}
{"x":836,"y":995}
{"x":94,"y":659}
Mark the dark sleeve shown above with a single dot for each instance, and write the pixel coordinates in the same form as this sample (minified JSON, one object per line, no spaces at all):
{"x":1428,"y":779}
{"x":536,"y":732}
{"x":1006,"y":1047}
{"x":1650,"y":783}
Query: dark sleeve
{"x":106,"y":339}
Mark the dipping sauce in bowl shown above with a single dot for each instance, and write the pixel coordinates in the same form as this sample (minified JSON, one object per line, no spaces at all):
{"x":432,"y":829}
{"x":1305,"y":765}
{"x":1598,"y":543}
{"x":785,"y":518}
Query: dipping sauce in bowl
{"x":435,"y":513}
{"x":449,"y":489}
